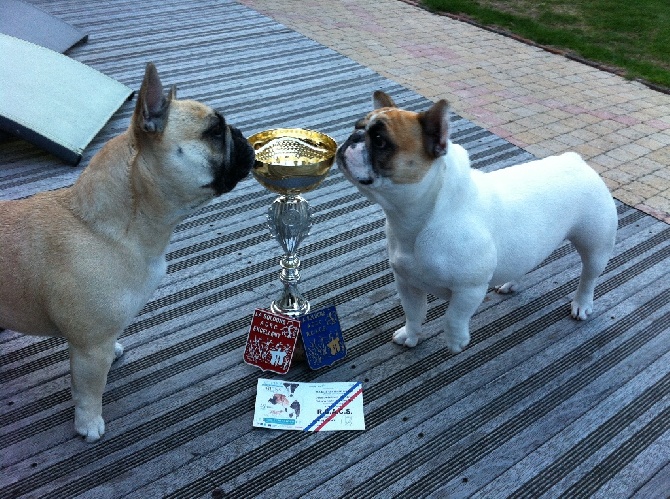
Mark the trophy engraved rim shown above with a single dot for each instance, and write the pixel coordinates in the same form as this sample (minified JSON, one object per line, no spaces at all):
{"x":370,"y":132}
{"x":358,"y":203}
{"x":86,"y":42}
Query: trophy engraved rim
{"x":290,"y":161}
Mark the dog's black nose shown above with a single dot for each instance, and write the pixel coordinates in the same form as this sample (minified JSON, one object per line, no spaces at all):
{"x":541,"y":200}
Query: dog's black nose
{"x":357,"y":136}
{"x":244,"y":155}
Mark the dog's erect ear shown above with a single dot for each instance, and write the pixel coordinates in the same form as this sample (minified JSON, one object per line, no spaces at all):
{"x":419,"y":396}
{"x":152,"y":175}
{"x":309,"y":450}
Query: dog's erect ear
{"x":435,"y":125}
{"x":151,"y":111}
{"x":381,"y":99}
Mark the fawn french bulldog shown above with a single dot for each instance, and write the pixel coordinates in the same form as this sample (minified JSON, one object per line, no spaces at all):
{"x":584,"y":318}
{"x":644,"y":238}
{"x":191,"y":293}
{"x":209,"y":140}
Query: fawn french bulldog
{"x":80,"y":262}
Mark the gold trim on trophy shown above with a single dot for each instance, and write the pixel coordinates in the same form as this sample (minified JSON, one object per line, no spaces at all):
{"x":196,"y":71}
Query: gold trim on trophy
{"x":291,"y":161}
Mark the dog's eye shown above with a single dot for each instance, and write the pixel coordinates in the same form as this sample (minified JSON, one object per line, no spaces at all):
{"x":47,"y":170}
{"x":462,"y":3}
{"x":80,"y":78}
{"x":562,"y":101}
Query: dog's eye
{"x":217,"y":128}
{"x":378,"y":141}
{"x":216,"y":131}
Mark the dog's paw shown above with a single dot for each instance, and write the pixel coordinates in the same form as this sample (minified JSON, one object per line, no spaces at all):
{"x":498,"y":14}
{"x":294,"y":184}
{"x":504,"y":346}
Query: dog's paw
{"x":89,"y":427}
{"x":580,"y":311}
{"x":118,"y":350}
{"x":507,"y":288}
{"x":402,"y":337}
{"x":457,"y":342}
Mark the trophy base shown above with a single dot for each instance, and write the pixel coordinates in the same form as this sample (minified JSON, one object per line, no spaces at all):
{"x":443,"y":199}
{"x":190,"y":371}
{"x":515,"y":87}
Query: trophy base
{"x":290,"y":302}
{"x":291,"y":306}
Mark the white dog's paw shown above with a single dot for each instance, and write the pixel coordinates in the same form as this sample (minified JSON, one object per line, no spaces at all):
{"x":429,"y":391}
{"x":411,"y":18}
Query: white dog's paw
{"x":507,"y":288}
{"x":118,"y":350}
{"x":457,"y":342}
{"x":580,"y":311}
{"x":89,"y":427}
{"x":402,"y":337}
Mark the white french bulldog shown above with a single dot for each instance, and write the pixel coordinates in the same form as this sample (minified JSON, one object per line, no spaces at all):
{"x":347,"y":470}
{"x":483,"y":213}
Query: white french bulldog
{"x":453,"y":231}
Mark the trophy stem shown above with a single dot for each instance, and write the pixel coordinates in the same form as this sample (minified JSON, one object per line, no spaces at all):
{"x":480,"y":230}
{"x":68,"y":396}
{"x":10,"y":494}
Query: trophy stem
{"x":289,"y":221}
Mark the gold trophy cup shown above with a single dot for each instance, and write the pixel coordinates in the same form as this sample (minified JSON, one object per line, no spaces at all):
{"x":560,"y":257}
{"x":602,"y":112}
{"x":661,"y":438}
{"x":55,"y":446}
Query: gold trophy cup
{"x":290,"y":162}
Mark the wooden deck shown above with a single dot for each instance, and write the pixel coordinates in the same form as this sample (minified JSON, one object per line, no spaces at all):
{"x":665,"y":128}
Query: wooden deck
{"x":537,"y":405}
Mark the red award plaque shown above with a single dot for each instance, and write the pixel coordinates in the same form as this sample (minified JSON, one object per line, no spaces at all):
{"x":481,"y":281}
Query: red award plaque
{"x":271,"y":341}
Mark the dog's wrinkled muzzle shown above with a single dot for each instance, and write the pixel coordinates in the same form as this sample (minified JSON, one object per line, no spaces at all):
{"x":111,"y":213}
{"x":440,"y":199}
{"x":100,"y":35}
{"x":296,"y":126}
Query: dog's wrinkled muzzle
{"x":352,"y":159}
{"x":238,"y":160}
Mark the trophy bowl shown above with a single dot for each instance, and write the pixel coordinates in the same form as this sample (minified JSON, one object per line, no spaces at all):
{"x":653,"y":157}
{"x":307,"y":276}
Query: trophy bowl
{"x":290,"y":161}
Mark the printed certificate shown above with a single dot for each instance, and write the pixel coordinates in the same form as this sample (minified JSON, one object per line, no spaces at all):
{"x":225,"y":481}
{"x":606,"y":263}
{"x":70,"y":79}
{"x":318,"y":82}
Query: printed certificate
{"x":288,"y":405}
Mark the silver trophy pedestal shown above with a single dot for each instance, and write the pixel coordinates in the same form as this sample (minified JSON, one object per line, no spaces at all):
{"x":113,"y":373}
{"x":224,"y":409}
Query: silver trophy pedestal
{"x":289,"y":221}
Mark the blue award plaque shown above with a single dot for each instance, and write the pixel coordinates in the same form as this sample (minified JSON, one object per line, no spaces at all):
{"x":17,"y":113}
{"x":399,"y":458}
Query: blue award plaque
{"x":322,"y":337}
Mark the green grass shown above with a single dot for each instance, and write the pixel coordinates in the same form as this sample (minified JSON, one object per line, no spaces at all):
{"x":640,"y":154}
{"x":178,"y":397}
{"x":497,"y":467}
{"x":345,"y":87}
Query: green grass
{"x":633,"y":35}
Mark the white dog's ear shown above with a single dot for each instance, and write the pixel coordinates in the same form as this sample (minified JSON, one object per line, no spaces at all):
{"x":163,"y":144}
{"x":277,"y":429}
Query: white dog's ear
{"x":435,"y":125}
{"x":153,"y":105}
{"x":382,"y":99}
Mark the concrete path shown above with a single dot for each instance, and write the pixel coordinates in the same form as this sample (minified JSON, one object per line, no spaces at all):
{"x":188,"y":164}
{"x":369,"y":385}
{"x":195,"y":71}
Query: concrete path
{"x":540,"y":101}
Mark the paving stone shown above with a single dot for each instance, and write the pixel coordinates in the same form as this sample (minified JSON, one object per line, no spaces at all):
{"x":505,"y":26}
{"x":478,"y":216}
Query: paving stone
{"x":535,"y":99}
